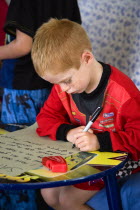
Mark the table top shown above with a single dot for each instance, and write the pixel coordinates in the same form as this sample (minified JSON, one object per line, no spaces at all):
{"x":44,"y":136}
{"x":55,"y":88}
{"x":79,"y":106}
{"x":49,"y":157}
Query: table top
{"x":82,"y":167}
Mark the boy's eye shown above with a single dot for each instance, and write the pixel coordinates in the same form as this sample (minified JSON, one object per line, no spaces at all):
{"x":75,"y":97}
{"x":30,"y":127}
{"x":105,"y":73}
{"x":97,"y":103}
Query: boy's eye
{"x":68,"y":81}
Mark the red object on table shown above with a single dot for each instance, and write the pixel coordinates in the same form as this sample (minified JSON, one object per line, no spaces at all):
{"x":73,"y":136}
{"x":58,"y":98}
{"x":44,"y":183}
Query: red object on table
{"x":55,"y":163}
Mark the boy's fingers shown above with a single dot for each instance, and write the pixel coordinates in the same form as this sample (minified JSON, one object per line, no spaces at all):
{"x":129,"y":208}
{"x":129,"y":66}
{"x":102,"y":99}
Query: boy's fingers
{"x":81,"y":141}
{"x":81,"y":133}
{"x":77,"y":135}
{"x":90,"y":131}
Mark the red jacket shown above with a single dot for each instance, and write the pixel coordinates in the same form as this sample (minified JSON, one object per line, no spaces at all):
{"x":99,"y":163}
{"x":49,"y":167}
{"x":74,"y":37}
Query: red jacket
{"x":120,"y":116}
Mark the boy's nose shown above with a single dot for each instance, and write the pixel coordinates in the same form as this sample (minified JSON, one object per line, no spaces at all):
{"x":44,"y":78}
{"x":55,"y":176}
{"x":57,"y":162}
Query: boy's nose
{"x":65,"y":87}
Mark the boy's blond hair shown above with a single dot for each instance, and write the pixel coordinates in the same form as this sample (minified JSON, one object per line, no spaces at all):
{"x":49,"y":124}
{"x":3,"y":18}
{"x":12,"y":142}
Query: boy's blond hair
{"x":58,"y":46}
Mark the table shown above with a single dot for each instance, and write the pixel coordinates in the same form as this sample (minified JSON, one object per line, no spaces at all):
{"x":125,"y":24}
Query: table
{"x":82,"y":167}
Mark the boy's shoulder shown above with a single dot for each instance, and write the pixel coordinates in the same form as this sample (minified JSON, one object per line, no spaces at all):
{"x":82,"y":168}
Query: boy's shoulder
{"x":121,"y":81}
{"x":120,"y":86}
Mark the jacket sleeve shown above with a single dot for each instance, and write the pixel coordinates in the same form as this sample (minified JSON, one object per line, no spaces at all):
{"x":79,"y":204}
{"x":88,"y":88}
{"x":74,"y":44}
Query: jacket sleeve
{"x":128,"y":139}
{"x":51,"y":116}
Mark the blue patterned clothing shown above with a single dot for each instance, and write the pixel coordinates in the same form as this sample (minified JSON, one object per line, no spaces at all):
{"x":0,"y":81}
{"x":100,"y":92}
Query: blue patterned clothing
{"x":22,"y":106}
{"x":18,"y":200}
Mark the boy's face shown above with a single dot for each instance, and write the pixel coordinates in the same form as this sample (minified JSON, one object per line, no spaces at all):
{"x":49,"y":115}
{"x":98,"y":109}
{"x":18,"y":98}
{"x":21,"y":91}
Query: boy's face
{"x":72,"y":81}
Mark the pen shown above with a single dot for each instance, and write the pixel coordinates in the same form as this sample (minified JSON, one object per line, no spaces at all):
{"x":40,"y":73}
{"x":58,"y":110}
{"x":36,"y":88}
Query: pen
{"x":93,"y":118}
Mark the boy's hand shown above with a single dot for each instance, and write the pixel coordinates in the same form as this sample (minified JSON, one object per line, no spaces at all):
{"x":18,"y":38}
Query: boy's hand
{"x":71,"y":133}
{"x":86,"y":141}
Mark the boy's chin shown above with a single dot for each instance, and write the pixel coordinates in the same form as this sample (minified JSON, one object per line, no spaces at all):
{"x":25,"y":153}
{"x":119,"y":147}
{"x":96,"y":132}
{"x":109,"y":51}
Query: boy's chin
{"x":77,"y":92}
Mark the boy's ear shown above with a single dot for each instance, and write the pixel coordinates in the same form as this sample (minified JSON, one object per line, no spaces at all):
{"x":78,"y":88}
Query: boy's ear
{"x":86,"y":57}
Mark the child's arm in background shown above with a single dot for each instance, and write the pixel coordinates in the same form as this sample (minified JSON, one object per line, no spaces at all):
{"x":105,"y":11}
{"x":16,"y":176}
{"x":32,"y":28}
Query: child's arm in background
{"x":20,"y":46}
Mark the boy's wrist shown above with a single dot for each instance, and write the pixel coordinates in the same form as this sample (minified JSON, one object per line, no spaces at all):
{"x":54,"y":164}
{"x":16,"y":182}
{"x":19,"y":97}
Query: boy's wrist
{"x":105,"y":142}
{"x":62,"y":131}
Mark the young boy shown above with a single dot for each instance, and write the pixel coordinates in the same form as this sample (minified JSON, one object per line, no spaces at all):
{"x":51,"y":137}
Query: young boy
{"x":62,"y":54}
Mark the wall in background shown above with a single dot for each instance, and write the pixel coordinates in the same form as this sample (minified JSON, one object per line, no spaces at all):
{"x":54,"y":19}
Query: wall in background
{"x":114,"y":29}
